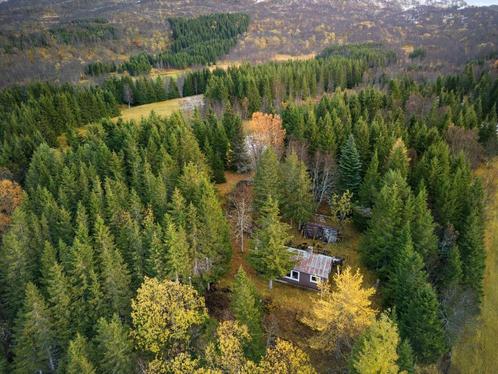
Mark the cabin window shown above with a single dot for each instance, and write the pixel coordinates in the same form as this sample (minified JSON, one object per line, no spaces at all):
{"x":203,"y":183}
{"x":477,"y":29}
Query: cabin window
{"x":294,"y":275}
{"x":314,"y":279}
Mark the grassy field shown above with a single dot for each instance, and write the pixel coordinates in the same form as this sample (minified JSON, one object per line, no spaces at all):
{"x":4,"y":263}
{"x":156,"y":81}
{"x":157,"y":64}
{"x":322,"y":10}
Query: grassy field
{"x":477,"y":349}
{"x":161,"y":108}
{"x":286,"y":304}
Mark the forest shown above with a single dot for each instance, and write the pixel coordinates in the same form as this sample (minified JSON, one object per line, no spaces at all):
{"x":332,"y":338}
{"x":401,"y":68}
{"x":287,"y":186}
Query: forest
{"x":75,"y":32}
{"x":114,"y":233}
{"x":196,"y":41}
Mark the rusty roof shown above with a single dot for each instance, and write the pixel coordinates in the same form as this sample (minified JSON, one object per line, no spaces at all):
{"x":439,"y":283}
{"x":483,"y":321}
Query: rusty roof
{"x":312,"y":263}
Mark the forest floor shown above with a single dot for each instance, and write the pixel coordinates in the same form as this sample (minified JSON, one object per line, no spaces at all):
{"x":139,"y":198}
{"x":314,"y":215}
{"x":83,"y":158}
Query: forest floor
{"x":285,"y":304}
{"x":161,"y":108}
{"x":477,"y":349}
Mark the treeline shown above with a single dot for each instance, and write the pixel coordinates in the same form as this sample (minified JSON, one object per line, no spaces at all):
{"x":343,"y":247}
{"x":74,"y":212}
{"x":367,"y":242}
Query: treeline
{"x":405,"y":156}
{"x":196,"y":41}
{"x":375,"y":54}
{"x":122,"y":202}
{"x":40,"y":112}
{"x":141,"y":90}
{"x":250,"y":88}
{"x":73,"y":33}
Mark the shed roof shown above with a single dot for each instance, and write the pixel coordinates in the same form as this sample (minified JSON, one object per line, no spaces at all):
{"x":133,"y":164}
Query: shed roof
{"x":312,"y":263}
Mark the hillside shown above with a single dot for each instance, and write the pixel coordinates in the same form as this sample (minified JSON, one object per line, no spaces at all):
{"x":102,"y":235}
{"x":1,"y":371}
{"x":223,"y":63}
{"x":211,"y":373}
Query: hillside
{"x":451,"y":35}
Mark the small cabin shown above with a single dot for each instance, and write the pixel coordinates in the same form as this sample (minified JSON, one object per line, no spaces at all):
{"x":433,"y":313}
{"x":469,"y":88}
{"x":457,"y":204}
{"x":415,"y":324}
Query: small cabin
{"x":317,"y":231}
{"x":311,"y":268}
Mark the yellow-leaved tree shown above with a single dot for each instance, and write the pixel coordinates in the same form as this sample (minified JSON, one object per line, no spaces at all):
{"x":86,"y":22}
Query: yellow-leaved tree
{"x":341,"y":314}
{"x":164,"y":314}
{"x":285,"y":358}
{"x":376,"y":349}
{"x":227,"y":354}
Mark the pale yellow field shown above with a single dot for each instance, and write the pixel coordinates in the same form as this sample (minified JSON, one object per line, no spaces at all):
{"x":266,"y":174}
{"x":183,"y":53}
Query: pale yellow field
{"x":477,"y":350}
{"x":161,"y":108}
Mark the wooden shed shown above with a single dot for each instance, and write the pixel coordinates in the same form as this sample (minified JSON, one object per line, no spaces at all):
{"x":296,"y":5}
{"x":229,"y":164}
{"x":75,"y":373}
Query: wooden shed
{"x":317,"y":231}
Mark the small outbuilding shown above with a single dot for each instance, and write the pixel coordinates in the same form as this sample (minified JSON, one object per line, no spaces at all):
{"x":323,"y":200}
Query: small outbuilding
{"x":317,"y":231}
{"x":311,"y":268}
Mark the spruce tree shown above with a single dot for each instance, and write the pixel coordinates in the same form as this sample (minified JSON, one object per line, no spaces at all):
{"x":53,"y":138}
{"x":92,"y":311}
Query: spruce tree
{"x":398,"y":158}
{"x":269,"y":254}
{"x":246,"y":308}
{"x":267,"y":179}
{"x":114,"y":347}
{"x":78,"y":357}
{"x":371,"y":183}
{"x":417,"y":307}
{"x":472,"y":251}
{"x":178,"y":256}
{"x":60,"y":305}
{"x":382,"y":240}
{"x":423,"y":229}
{"x":297,"y":203}
{"x":349,"y":167}
{"x":406,"y":361}
{"x":115,"y":278}
{"x":34,"y":339}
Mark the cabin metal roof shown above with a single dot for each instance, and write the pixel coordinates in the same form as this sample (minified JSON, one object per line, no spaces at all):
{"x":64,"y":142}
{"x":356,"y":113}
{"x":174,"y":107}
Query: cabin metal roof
{"x":312,"y":263}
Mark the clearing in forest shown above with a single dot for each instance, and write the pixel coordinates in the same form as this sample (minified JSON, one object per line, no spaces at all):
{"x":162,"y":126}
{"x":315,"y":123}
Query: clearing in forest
{"x":161,"y":108}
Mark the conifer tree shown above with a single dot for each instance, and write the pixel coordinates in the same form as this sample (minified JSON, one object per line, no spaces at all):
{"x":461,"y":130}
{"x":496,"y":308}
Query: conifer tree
{"x":375,"y":351}
{"x":383,"y":236}
{"x":349,"y":167}
{"x":423,"y":229}
{"x":406,"y":361}
{"x":417,"y":307}
{"x":179,"y":254}
{"x":267,"y":179}
{"x":114,"y":347}
{"x":269,"y":254}
{"x":472,"y":251}
{"x":115,"y":277}
{"x":34,"y":339}
{"x":371,"y":183}
{"x":246,"y":308}
{"x":297,"y":198}
{"x":60,"y":305}
{"x":398,"y":158}
{"x":78,"y":357}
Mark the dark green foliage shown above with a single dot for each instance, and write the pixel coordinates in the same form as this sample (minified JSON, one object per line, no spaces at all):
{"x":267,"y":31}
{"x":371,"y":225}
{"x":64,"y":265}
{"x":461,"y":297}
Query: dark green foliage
{"x":34,"y":345}
{"x":371,"y":183}
{"x":196,"y":42}
{"x":267,"y":179}
{"x":297,"y":203}
{"x":349,"y":167}
{"x":406,"y":361}
{"x":114,"y":347}
{"x":374,"y":54}
{"x":76,"y":32}
{"x":246,"y":308}
{"x":472,"y":251}
{"x":417,"y":308}
{"x":418,"y":53}
{"x":40,"y":112}
{"x":269,"y":255}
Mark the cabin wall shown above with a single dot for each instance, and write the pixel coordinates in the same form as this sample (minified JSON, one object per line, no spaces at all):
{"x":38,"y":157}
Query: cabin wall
{"x":304,"y":281}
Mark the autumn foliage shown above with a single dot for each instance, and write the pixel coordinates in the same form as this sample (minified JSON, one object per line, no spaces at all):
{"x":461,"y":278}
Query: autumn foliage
{"x":265,"y":130}
{"x":10,"y":198}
